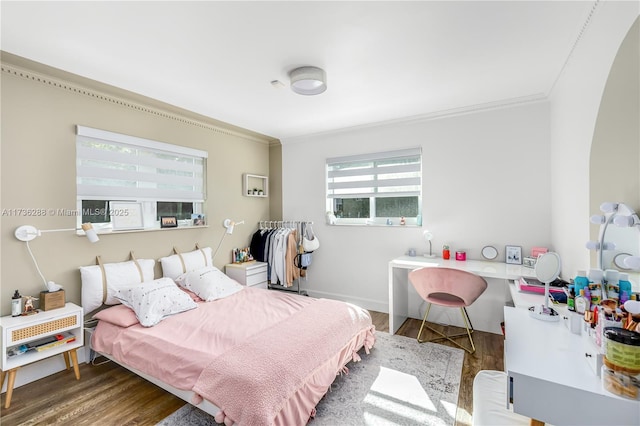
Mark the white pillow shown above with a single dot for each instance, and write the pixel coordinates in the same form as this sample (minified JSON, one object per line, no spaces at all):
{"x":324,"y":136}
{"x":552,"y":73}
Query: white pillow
{"x":209,"y":283}
{"x":153,"y":301}
{"x":118,"y":275}
{"x":172,"y":266}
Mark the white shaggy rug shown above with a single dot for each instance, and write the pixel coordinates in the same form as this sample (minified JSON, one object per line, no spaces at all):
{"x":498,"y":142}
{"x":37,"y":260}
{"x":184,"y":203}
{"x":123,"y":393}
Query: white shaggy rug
{"x":401,"y":382}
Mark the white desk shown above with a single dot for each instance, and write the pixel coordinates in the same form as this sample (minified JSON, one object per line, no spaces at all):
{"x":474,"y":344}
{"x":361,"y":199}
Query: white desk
{"x":486,"y":313}
{"x":550,"y":379}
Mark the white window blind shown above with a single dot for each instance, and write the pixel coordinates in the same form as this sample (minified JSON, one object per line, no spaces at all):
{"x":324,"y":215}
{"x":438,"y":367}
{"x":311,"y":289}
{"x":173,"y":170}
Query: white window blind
{"x":383,"y":174}
{"x":113,"y":166}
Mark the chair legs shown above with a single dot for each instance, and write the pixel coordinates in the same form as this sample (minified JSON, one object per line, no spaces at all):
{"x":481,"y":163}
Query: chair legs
{"x":468,"y":327}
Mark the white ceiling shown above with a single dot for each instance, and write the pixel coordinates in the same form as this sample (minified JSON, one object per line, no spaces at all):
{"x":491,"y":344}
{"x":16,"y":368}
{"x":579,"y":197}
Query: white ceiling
{"x":384,"y":60}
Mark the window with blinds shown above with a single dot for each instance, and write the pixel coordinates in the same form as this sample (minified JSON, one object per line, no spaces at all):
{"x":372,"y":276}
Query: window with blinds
{"x":169,"y":180}
{"x":376,"y":188}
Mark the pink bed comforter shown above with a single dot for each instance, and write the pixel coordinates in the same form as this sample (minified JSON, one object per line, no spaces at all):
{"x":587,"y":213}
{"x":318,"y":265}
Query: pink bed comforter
{"x":231,"y":350}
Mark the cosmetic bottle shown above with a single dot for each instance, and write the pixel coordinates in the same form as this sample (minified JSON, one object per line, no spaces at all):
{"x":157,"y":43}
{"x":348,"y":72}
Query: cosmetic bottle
{"x":580,"y":281}
{"x":446,"y":254}
{"x":596,"y":278}
{"x":571,"y":299}
{"x":581,"y":304}
{"x":611,"y":278}
{"x":587,"y":298}
{"x":625,"y":287}
{"x":16,"y":304}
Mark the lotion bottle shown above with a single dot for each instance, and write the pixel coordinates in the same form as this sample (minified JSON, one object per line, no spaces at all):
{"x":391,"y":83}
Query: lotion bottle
{"x":16,"y":304}
{"x":625,"y":287}
{"x":580,"y":281}
{"x":581,"y":304}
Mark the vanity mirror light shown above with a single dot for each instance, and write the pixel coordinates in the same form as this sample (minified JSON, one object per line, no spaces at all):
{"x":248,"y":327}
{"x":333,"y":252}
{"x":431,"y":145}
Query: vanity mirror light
{"x":618,"y":245}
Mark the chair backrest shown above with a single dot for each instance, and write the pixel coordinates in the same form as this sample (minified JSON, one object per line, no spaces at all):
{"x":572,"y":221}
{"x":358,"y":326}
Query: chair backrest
{"x":433,"y":282}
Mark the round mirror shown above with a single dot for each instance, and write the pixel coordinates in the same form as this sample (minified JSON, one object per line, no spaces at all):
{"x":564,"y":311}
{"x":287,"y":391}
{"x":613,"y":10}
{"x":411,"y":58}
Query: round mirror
{"x":548,"y":267}
{"x":489,"y":252}
{"x":619,"y":259}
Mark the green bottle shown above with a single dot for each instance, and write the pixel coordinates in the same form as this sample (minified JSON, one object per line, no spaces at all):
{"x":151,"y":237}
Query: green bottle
{"x":571,"y":300}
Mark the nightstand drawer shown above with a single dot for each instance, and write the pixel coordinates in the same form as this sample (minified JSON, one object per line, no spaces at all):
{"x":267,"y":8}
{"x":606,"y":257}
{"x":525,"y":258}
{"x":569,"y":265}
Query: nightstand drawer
{"x":27,"y":333}
{"x":257,"y":278}
{"x":259,"y":269}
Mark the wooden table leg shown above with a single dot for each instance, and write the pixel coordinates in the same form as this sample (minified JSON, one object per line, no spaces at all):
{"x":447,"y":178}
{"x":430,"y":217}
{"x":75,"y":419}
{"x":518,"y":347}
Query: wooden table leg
{"x":2,"y":379}
{"x":66,"y":359}
{"x":534,"y":422}
{"x":10,"y":383}
{"x":74,"y":359}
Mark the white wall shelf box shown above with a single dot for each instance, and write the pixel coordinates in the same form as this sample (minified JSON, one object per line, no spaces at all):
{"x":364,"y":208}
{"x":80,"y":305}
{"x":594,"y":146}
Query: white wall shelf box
{"x":22,"y":330}
{"x":252,"y":274}
{"x":251,"y":182}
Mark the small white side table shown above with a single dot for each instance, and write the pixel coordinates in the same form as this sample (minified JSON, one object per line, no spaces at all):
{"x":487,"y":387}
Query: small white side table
{"x":22,"y":330}
{"x":251,"y":274}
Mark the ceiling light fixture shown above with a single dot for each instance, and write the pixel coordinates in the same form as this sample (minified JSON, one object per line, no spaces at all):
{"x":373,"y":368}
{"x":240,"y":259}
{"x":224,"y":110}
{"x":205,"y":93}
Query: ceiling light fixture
{"x":308,"y":80}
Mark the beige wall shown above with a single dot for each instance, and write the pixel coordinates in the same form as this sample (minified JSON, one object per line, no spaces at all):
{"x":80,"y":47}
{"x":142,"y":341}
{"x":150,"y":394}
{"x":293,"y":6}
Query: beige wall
{"x":275,"y":182}
{"x":40,"y":108}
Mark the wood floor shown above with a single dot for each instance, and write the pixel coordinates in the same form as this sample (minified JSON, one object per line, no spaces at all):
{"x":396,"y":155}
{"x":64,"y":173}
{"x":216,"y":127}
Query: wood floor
{"x":110,"y":395}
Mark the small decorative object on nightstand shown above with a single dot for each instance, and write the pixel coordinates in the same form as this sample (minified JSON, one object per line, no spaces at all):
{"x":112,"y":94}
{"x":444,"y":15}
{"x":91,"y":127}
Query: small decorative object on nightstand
{"x":27,"y":339}
{"x":52,"y":300}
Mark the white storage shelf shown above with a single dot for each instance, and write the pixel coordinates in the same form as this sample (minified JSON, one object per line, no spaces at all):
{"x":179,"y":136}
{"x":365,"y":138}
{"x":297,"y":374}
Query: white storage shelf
{"x":252,"y":274}
{"x":21,"y":330}
{"x":258,"y":182}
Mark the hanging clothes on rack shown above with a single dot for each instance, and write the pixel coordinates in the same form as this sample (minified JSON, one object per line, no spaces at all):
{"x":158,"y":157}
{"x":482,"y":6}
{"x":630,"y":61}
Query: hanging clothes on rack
{"x":280,"y":244}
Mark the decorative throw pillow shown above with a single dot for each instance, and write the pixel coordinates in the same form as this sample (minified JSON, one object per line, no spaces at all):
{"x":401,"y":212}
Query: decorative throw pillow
{"x":119,"y":315}
{"x":155,"y":300}
{"x":209,"y":283}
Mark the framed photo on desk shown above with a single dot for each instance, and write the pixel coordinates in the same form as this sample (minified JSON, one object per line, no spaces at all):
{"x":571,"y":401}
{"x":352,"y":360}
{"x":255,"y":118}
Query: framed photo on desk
{"x":513,"y":255}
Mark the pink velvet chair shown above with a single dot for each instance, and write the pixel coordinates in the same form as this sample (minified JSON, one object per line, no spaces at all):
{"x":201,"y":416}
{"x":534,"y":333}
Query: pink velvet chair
{"x":450,"y":288}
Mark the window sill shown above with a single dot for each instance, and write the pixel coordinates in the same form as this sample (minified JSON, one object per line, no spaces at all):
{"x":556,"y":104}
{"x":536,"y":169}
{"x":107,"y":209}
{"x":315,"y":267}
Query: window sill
{"x":375,"y":225}
{"x":102,"y":232}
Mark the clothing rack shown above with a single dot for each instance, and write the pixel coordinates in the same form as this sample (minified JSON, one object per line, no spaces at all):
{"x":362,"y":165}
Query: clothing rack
{"x":273,"y":224}
{"x":300,"y":227}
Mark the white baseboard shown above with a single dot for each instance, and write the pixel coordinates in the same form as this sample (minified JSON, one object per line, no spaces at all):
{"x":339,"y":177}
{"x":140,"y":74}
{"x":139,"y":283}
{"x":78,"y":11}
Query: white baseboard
{"x":371,"y":304}
{"x":41,"y":369}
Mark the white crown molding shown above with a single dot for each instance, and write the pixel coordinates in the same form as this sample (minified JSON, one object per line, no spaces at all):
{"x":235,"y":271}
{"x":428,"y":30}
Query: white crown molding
{"x":81,"y":90}
{"x":436,"y":115}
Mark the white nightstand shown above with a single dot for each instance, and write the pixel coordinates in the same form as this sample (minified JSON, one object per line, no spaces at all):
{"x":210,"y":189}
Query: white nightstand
{"x":22,"y":330}
{"x":252,"y":274}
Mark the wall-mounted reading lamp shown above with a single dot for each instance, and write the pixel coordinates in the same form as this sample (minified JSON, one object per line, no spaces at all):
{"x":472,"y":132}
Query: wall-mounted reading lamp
{"x":27,"y":233}
{"x":229,"y":225}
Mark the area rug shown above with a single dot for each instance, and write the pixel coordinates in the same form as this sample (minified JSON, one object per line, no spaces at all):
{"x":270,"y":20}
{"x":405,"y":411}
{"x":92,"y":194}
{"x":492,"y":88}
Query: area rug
{"x":401,"y":382}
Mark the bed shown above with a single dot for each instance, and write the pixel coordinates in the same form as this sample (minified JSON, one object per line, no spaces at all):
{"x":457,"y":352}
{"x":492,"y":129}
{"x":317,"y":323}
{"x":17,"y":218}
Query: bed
{"x":245,"y":355}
